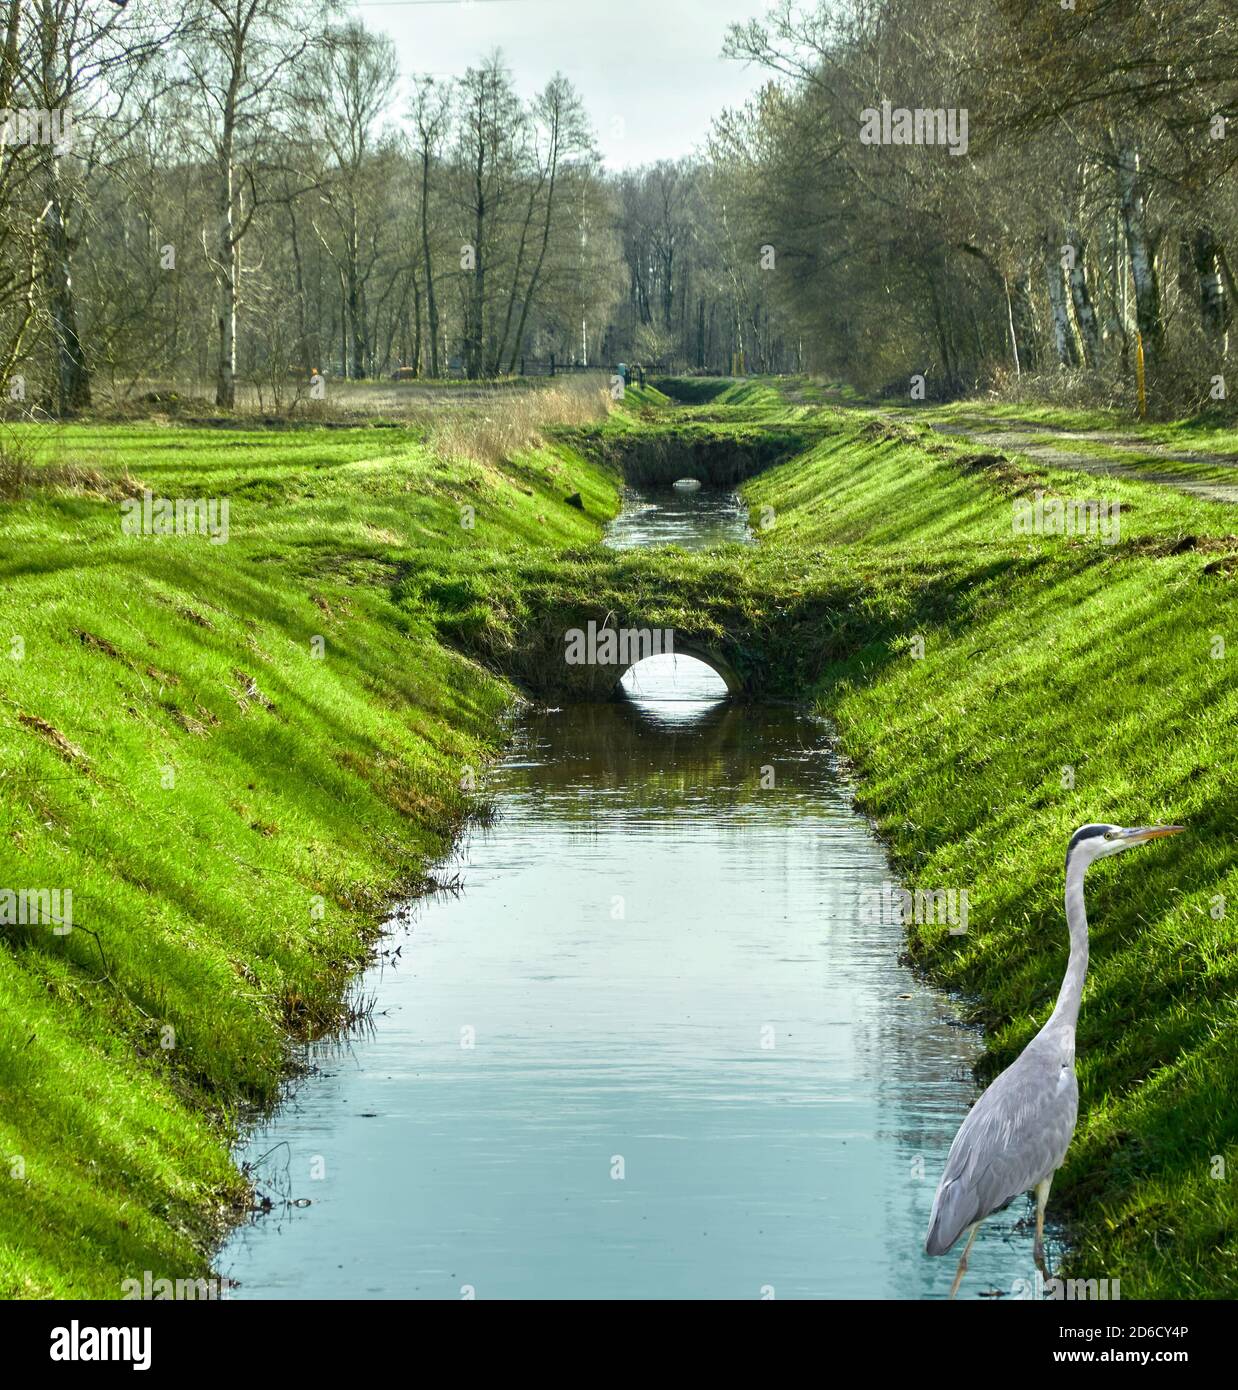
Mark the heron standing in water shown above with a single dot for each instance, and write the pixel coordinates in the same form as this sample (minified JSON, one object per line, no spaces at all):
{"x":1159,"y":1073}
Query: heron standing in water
{"x":1016,"y":1135}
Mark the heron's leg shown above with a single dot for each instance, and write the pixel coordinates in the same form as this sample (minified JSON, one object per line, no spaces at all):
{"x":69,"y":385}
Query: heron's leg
{"x":958,"y":1278}
{"x":1042,"y":1201}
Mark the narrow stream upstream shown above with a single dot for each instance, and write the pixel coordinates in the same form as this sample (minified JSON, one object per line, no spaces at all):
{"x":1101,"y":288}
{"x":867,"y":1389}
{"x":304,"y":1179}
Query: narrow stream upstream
{"x":654,"y":1049}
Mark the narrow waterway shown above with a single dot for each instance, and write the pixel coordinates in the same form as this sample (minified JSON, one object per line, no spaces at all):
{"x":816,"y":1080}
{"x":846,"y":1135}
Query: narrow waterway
{"x":693,"y":518}
{"x":656,"y":1047}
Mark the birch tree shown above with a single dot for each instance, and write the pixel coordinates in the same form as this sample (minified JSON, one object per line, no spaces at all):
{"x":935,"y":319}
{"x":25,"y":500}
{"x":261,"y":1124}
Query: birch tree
{"x":243,"y":56}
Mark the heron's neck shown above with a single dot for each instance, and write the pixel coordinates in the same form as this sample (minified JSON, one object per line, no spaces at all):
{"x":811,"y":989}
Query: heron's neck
{"x":1066,"y":1011}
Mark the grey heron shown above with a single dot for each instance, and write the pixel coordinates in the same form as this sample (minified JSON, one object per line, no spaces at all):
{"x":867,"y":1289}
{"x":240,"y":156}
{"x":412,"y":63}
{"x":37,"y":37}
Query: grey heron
{"x":1016,"y":1135}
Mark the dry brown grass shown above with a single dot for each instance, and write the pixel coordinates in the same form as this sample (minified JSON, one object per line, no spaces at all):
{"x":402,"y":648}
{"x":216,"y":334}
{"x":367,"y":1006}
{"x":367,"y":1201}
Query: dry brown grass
{"x":345,"y":402}
{"x":487,"y":424}
{"x":510,"y":424}
{"x":17,"y":464}
{"x":28,"y":462}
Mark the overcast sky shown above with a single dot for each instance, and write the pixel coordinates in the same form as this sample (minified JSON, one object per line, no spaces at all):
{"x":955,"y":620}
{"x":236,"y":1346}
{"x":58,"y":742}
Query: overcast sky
{"x":650,"y":71}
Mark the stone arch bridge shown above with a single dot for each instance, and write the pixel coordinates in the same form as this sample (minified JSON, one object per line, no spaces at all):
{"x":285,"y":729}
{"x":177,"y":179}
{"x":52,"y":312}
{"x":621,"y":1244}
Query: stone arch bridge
{"x":585,"y":658}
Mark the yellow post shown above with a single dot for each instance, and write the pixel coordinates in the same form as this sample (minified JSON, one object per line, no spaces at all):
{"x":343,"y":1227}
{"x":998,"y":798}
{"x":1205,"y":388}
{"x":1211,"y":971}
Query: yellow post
{"x":1139,"y":378}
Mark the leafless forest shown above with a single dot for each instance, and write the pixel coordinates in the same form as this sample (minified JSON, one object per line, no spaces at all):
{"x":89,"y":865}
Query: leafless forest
{"x":244,"y":191}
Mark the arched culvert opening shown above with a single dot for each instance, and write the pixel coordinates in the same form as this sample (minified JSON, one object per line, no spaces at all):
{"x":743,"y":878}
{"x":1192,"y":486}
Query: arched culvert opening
{"x":681,"y":677}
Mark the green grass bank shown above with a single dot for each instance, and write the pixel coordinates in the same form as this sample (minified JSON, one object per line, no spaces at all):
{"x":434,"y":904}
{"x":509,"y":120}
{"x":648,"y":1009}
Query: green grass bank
{"x":993,"y":692}
{"x":235,"y":756}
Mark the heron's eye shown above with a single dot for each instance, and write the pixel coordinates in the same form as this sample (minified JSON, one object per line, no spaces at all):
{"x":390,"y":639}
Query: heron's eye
{"x":1111,"y":834}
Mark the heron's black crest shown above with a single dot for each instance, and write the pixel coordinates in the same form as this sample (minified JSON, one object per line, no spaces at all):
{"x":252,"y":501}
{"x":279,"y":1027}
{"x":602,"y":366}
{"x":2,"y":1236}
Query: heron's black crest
{"x":1085,"y":832}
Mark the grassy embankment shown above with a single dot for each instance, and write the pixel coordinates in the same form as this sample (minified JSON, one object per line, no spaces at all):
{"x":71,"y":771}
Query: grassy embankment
{"x":231,"y":811}
{"x":1062,"y":681}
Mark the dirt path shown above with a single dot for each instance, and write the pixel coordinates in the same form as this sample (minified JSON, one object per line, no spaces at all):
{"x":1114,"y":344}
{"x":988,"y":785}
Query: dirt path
{"x":1027,"y":438}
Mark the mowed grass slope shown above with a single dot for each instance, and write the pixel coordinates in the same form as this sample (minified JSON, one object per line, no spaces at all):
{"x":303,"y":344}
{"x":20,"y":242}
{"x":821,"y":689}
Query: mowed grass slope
{"x":1062,"y":681}
{"x":235,"y":756}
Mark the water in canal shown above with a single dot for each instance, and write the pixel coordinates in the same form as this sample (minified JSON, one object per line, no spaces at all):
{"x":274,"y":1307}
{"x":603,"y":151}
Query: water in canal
{"x":692,"y":518}
{"x":654,"y":1049}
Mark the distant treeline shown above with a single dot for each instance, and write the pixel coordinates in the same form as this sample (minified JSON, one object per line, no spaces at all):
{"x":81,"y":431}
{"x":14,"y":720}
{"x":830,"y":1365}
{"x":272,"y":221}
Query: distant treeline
{"x":984,"y":193}
{"x":228,"y":193}
{"x":1089,"y":207}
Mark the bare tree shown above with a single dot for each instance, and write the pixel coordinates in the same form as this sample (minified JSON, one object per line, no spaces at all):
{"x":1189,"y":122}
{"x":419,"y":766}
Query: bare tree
{"x":350,"y":80}
{"x":431,"y":112}
{"x":241,"y":56}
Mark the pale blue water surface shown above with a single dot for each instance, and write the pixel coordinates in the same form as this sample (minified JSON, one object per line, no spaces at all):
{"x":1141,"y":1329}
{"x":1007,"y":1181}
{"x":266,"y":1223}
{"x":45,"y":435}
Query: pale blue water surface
{"x":654,"y":1049}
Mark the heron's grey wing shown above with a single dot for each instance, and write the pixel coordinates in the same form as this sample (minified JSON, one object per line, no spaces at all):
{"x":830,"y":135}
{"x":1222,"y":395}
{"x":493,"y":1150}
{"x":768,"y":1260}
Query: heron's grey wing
{"x":1013,"y":1138}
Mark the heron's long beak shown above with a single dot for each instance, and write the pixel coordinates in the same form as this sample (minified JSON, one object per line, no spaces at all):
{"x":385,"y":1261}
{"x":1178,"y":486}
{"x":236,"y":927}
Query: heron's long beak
{"x":1152,"y":832}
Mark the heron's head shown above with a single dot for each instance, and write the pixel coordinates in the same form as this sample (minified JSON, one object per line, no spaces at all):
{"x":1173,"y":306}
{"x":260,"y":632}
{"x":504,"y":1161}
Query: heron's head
{"x":1092,"y":842}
